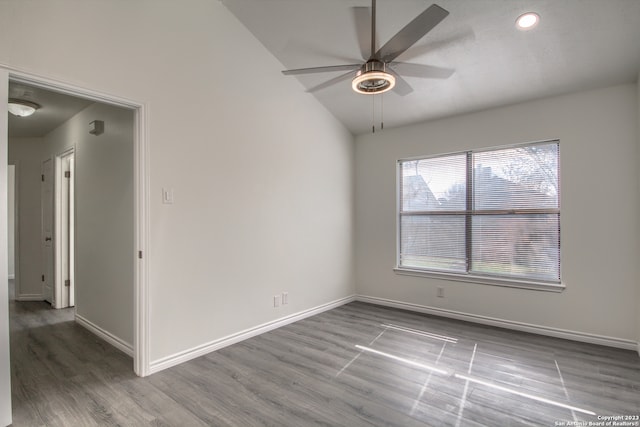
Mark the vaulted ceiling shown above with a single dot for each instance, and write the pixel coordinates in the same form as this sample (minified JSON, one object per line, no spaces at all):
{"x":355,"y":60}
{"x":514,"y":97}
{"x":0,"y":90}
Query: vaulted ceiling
{"x":578,"y":45}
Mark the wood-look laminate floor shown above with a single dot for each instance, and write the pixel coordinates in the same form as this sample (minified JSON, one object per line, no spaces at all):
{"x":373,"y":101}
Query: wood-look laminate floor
{"x":356,"y":365}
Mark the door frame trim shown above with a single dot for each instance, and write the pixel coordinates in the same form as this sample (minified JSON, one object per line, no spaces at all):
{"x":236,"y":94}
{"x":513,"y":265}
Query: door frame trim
{"x":16,"y":226}
{"x":141,"y":198}
{"x":58,"y":283}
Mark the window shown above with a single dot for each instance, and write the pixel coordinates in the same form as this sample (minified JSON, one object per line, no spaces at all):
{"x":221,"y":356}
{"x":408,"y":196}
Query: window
{"x":484,"y":214}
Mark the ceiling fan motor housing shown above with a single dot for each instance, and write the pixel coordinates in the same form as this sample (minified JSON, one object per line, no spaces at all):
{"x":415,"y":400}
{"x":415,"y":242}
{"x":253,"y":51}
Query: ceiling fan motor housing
{"x":373,"y":78}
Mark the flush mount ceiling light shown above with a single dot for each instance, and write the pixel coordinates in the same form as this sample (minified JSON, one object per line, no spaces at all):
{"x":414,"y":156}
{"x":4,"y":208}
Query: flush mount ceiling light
{"x":21,"y":108}
{"x":373,"y":78}
{"x":527,"y":21}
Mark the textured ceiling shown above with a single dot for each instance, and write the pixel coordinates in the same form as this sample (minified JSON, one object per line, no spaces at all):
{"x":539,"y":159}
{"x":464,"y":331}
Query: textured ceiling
{"x":578,"y":45}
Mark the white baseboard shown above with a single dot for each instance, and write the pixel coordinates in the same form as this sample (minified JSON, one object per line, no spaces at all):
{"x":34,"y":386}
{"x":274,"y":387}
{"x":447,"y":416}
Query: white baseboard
{"x":201,"y":350}
{"x":30,"y":297}
{"x":121,"y":345}
{"x":507,"y":324}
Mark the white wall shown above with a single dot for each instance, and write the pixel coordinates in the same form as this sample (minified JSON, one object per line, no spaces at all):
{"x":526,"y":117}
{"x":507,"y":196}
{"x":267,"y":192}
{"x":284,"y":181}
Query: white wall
{"x":600,"y":211}
{"x":28,"y":153}
{"x":262,"y":173}
{"x":104,"y":215}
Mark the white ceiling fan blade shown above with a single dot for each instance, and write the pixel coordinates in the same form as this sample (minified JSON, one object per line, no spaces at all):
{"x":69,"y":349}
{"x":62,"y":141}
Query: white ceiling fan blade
{"x":402,"y":87}
{"x":331,"y":82}
{"x":362,"y":23}
{"x":326,"y":69}
{"x":458,"y":40}
{"x":411,"y":33}
{"x":421,"y":70}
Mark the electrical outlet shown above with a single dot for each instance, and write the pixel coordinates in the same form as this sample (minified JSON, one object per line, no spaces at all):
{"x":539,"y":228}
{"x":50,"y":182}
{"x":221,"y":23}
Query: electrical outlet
{"x":285,"y":298}
{"x":276,"y":300}
{"x":440,"y":292}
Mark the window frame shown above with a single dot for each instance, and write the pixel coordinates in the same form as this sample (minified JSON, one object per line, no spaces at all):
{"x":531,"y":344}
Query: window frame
{"x":468,"y":277}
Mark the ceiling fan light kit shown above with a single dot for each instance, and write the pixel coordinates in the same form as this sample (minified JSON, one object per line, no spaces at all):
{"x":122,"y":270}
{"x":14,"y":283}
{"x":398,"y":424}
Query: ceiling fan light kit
{"x":373,"y":78}
{"x":22,"y":108}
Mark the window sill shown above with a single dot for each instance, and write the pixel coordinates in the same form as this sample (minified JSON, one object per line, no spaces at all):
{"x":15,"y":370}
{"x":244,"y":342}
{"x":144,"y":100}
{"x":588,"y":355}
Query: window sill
{"x":492,"y":281}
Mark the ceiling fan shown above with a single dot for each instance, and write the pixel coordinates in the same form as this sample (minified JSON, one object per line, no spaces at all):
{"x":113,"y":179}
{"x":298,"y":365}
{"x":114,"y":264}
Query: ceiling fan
{"x":380,"y":73}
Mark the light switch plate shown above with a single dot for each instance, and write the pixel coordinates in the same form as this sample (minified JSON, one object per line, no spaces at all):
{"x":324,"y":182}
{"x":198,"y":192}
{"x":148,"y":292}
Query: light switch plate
{"x":167,"y":196}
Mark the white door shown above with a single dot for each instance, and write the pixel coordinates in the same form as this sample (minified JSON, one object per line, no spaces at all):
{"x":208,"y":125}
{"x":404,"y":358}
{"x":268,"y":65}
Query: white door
{"x":65,"y":292}
{"x":71,"y":234}
{"x":47,"y":230}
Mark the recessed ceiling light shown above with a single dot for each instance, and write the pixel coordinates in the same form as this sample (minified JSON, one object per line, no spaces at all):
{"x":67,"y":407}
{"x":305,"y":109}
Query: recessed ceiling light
{"x":527,"y":21}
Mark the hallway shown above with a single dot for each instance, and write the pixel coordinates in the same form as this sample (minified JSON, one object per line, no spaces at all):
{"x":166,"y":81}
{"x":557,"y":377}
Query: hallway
{"x":59,"y":370}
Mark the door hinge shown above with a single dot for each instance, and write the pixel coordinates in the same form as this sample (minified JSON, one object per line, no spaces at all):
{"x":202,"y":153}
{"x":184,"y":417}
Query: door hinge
{"x":140,"y":254}
{"x":43,"y":277}
{"x":42,"y":177}
{"x":67,"y":282}
{"x":67,"y":174}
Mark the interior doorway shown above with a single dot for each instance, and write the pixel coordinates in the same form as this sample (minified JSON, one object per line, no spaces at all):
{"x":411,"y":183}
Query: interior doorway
{"x":138,"y":344}
{"x":104,"y":267}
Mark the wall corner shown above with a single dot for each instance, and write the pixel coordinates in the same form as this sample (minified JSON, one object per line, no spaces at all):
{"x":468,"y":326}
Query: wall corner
{"x":638,"y":237}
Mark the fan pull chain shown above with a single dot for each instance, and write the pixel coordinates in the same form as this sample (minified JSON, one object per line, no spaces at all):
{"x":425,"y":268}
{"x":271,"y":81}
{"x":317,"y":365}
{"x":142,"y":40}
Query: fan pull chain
{"x":382,"y":111}
{"x":373,"y":114}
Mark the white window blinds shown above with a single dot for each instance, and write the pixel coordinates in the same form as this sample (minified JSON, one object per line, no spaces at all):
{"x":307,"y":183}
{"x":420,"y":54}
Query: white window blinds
{"x":489,"y":213}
